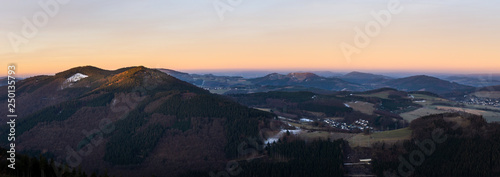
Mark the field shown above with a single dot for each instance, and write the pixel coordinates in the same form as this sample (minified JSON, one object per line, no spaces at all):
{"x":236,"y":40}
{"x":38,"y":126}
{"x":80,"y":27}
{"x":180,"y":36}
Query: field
{"x":364,"y":107}
{"x":303,"y":126}
{"x":429,"y":100}
{"x":489,"y":116}
{"x":264,"y":109}
{"x":382,"y":94}
{"x":483,"y":107}
{"x":430,"y":107}
{"x":335,"y":118}
{"x":386,"y":136}
{"x":219,"y":91}
{"x":425,"y":111}
{"x":455,"y":109}
{"x":488,"y":94}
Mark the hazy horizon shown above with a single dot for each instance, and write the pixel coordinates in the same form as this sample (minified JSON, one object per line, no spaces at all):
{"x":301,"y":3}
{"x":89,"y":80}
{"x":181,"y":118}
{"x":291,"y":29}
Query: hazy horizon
{"x":248,"y":73}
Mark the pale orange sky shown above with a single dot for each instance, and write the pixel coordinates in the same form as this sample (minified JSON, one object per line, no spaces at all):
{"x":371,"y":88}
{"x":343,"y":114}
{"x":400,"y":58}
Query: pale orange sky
{"x":457,"y":36}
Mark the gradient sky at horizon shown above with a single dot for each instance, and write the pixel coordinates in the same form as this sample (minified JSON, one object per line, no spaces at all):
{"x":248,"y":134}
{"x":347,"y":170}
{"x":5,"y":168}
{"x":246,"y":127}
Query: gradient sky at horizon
{"x":460,"y":36}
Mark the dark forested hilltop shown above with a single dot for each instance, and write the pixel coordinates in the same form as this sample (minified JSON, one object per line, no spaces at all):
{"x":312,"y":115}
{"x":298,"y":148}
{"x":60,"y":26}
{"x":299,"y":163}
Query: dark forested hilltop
{"x":451,"y":144}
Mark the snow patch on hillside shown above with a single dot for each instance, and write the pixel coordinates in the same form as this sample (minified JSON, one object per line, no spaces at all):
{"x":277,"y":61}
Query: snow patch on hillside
{"x":69,"y":81}
{"x":76,"y":77}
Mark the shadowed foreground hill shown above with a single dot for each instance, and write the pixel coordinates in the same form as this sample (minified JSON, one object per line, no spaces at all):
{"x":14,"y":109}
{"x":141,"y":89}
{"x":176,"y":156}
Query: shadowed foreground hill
{"x":452,"y":144}
{"x":131,"y":122}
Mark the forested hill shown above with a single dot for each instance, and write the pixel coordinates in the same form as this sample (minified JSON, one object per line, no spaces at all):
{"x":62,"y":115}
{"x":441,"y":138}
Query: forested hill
{"x":451,"y":144}
{"x":138,"y":118}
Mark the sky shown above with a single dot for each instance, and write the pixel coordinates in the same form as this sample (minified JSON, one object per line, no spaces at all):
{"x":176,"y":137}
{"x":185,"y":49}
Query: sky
{"x":457,"y":36}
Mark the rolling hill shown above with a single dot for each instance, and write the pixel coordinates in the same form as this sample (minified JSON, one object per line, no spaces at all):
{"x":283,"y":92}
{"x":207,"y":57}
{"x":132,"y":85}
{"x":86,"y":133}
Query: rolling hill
{"x":306,"y":80}
{"x":364,"y":78}
{"x":488,"y":95}
{"x":182,"y":76}
{"x":473,"y":81}
{"x":208,"y":80}
{"x":426,"y":83}
{"x":490,"y":88}
{"x":132,"y":121}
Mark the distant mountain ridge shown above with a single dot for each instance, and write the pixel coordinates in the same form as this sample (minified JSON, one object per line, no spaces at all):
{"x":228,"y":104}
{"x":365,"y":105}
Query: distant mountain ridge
{"x":356,"y":81}
{"x":426,"y":83}
{"x":353,"y":81}
{"x":490,"y":88}
{"x":364,"y":78}
{"x":306,"y":80}
{"x":474,"y":81}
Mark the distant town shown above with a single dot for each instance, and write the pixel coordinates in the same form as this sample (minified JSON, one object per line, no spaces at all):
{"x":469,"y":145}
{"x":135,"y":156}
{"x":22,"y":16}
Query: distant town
{"x":474,"y":100}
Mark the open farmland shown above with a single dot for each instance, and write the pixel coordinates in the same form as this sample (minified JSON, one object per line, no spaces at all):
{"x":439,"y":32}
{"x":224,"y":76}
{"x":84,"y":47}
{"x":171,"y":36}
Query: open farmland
{"x":382,"y":94}
{"x":489,"y":116}
{"x":425,"y":111}
{"x":364,"y":107}
{"x":429,"y":100}
{"x":389,"y":137}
